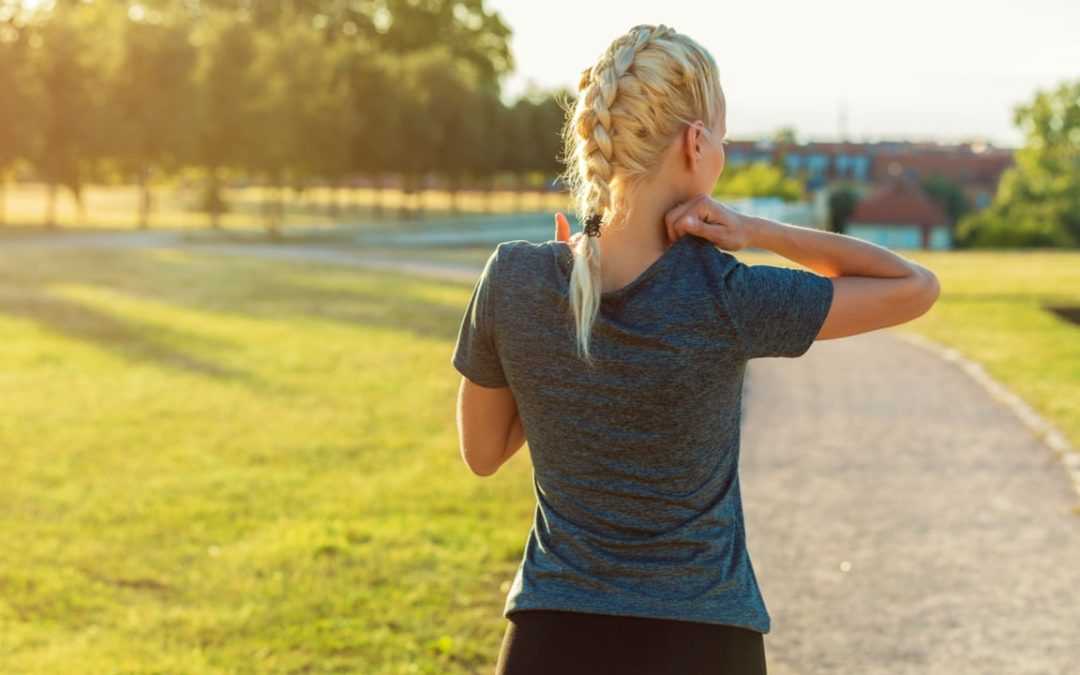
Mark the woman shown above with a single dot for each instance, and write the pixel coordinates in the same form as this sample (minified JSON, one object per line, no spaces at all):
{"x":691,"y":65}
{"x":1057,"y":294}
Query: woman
{"x":626,"y":377}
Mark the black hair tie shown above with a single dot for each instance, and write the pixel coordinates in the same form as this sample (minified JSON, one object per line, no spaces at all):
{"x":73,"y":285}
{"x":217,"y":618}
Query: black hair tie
{"x":592,"y":225}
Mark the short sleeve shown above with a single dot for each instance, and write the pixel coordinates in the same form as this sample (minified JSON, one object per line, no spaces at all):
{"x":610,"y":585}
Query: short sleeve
{"x":475,"y":355}
{"x":777,"y":311}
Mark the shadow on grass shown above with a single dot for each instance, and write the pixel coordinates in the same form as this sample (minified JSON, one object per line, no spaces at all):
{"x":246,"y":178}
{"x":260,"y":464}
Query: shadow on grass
{"x":228,"y":286}
{"x":130,"y":339}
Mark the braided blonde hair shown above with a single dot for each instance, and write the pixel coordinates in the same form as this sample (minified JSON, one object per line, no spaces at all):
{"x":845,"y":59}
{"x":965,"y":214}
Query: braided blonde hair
{"x":631,"y":105}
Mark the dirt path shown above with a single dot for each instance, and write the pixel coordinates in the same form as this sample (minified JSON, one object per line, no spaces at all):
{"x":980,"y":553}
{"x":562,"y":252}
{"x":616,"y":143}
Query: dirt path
{"x":900,"y":519}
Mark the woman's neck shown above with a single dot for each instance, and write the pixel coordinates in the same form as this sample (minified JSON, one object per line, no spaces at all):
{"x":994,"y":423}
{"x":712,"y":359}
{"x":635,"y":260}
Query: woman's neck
{"x":637,"y":236}
{"x":638,"y":232}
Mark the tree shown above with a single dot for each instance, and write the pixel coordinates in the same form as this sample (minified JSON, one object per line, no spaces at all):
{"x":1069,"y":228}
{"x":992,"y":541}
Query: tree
{"x":227,"y":99}
{"x":842,"y":202}
{"x":785,"y":135}
{"x":376,"y":102}
{"x":416,"y":115}
{"x":15,"y":122}
{"x":758,"y":179}
{"x":464,"y":27}
{"x":461,"y":134}
{"x":949,"y":195}
{"x":150,"y":94}
{"x":303,"y":104}
{"x":1038,"y":199}
{"x":70,"y":140}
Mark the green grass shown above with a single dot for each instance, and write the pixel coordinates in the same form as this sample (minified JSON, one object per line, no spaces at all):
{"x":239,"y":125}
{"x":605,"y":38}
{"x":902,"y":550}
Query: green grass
{"x":219,"y":465}
{"x":227,"y":465}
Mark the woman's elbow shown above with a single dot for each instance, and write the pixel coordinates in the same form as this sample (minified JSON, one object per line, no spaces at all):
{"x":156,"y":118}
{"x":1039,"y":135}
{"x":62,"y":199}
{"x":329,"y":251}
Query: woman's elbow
{"x":931,"y":289}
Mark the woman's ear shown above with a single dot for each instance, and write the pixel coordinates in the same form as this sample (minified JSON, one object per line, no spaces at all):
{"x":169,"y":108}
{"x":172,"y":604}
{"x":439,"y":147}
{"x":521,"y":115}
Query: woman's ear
{"x":694,"y":151}
{"x":691,"y":146}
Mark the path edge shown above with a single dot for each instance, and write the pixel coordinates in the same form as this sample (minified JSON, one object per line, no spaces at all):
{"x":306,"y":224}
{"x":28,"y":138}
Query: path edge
{"x":1043,"y":429}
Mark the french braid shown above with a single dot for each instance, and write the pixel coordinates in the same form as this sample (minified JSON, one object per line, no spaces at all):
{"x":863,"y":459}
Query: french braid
{"x":626,"y":111}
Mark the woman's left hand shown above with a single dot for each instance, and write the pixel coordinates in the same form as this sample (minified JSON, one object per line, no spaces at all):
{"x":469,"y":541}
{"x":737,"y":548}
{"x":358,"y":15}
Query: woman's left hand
{"x":562,"y":229}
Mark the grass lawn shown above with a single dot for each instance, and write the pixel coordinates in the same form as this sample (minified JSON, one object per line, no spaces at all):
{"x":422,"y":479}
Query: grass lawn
{"x":222,"y":464}
{"x":225,"y":465}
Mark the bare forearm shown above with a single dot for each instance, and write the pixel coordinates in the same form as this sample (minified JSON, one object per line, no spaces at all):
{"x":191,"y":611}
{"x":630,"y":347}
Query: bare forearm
{"x":828,"y":253}
{"x":515,"y":438}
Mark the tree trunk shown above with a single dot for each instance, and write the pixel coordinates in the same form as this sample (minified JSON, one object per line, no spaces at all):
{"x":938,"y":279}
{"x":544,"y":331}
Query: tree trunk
{"x":275,"y":205}
{"x":80,"y":205}
{"x":454,"y":186}
{"x":266,"y":207}
{"x":521,"y":189}
{"x":334,"y":209}
{"x":50,"y":206}
{"x":146,"y":199}
{"x":491,"y":194}
{"x":377,"y":198}
{"x":282,"y":192}
{"x":403,"y":207}
{"x":215,"y":199}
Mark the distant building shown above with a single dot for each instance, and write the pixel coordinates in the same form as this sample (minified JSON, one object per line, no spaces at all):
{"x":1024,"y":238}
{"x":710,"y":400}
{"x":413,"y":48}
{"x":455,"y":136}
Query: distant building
{"x":899,"y":214}
{"x":976,"y":173}
{"x":976,"y":168}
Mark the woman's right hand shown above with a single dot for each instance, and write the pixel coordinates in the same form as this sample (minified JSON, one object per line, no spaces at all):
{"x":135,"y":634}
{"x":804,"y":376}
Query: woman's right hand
{"x":709,"y":219}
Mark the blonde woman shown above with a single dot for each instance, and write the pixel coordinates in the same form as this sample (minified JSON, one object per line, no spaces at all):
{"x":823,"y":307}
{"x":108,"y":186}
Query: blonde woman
{"x":619,"y":354}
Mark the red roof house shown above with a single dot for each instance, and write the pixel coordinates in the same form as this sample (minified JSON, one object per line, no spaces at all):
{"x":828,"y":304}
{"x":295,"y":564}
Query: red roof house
{"x":900,"y":201}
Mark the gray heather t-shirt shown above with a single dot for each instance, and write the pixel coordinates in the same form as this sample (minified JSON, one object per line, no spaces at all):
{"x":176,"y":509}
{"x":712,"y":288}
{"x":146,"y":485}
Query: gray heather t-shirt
{"x":635,"y":461}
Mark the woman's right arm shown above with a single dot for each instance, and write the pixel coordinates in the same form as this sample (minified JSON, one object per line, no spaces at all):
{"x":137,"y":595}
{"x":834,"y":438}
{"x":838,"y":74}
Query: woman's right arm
{"x":872,"y":286}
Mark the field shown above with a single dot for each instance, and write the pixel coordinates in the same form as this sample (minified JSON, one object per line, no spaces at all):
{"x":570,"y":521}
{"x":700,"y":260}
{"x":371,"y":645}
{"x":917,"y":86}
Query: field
{"x":219,"y":465}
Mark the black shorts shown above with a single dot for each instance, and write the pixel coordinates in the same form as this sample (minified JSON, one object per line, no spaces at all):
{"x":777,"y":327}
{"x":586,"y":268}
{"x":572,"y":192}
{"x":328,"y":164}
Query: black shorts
{"x":567,"y":643}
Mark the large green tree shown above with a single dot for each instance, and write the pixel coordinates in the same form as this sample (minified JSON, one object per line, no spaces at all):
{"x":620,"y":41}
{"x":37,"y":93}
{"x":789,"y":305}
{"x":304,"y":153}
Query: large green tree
{"x":227,"y":104}
{"x":758,"y":179}
{"x":843,"y":198}
{"x":1038,"y":200}
{"x":151,"y":91}
{"x":303,"y":106}
{"x":375,"y":100}
{"x":69,"y":83}
{"x":15,"y":125}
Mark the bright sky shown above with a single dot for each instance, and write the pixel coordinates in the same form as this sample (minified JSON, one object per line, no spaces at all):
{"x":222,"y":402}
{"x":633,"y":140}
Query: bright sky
{"x":946,"y":70}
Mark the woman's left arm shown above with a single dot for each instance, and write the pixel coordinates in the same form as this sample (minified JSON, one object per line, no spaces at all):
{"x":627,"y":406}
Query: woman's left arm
{"x":490,"y":430}
{"x":516,"y":438}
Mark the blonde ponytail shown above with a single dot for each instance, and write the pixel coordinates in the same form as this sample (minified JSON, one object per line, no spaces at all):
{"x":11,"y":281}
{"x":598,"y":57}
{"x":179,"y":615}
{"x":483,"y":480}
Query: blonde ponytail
{"x":628,"y":111}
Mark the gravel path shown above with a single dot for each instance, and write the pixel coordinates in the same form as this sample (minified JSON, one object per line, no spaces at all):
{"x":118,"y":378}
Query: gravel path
{"x":900,"y":520}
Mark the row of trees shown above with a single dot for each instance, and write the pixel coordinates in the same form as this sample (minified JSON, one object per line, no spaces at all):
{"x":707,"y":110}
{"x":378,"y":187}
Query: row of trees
{"x":280,"y":92}
{"x":290,"y":92}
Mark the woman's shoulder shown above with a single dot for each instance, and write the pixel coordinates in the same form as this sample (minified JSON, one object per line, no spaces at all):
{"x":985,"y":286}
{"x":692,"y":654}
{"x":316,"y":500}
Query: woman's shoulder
{"x":517,"y":251}
{"x":711,"y":255}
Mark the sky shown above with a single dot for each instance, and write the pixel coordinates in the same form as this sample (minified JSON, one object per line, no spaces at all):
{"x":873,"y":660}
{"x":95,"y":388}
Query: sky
{"x":942,"y":70}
